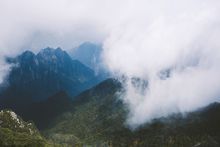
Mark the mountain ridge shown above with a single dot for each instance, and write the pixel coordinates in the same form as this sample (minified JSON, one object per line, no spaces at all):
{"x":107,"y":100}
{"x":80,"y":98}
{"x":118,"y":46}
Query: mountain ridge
{"x":98,"y":117}
{"x":35,"y":77}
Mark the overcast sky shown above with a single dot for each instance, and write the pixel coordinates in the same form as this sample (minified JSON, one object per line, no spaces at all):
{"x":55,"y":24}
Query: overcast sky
{"x":141,"y":38}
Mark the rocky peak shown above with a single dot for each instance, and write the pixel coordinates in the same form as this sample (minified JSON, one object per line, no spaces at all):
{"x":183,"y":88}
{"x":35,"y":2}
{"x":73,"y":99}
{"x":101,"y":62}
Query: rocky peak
{"x":52,"y":52}
{"x":10,"y":120}
{"x":28,"y":54}
{"x":16,"y":132}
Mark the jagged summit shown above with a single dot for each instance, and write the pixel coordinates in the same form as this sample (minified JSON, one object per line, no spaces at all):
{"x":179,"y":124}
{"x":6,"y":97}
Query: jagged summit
{"x":9,"y":119}
{"x":28,"y":53}
{"x":51,"y":51}
{"x":39,"y":76}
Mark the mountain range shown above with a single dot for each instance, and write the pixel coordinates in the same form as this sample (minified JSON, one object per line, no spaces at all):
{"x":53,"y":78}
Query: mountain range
{"x":71,"y":105}
{"x":35,"y":77}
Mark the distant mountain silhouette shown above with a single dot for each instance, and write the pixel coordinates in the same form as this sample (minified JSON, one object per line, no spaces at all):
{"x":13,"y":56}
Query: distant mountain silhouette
{"x":90,"y":54}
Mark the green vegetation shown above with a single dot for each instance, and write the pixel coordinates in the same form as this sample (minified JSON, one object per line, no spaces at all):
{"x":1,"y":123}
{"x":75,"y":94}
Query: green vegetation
{"x":15,"y":132}
{"x":97,"y":119}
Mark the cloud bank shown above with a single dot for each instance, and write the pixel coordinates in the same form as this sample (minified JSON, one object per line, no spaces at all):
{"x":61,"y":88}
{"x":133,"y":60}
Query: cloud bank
{"x":169,"y":51}
{"x":175,"y":47}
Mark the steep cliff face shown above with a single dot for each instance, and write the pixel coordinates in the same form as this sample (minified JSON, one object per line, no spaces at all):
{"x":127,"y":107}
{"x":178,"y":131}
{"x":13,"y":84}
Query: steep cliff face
{"x":37,"y":77}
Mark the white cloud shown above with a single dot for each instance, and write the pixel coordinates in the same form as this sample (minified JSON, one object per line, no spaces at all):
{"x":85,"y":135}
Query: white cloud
{"x":141,"y":38}
{"x":180,"y":36}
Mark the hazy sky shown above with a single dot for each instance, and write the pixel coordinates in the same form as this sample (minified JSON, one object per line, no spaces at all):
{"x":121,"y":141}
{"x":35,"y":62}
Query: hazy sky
{"x":141,"y":38}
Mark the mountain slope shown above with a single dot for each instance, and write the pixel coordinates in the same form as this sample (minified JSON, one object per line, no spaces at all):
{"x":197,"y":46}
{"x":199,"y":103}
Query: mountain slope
{"x":89,"y":115}
{"x":98,"y":117}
